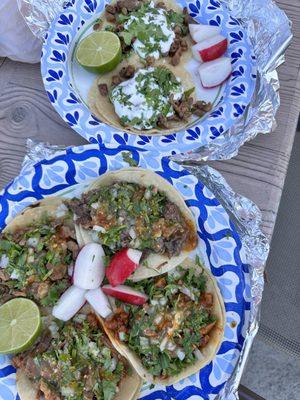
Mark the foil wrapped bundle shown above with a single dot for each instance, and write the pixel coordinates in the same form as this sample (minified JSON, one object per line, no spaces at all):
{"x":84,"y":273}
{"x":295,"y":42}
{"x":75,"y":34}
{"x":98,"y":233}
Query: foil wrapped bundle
{"x":246,"y":217}
{"x":270,"y":33}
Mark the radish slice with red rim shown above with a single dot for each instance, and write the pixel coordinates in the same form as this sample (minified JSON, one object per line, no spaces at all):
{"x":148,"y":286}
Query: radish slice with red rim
{"x":200,"y":32}
{"x":214,"y":73}
{"x":210,"y":49}
{"x":122,"y":265}
{"x":126,"y":294}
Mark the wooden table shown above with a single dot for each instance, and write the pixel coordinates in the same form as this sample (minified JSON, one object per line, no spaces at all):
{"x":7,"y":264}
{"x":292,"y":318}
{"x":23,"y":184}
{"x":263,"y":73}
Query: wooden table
{"x":258,"y":172}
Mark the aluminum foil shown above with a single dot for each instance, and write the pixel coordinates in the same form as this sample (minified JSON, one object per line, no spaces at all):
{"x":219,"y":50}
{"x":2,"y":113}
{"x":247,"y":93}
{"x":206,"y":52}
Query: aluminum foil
{"x":247,"y":219}
{"x":269,"y":30}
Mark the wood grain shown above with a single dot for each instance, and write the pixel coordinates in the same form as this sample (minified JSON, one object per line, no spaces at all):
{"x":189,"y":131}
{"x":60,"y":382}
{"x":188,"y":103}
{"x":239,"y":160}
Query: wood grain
{"x":258,"y":172}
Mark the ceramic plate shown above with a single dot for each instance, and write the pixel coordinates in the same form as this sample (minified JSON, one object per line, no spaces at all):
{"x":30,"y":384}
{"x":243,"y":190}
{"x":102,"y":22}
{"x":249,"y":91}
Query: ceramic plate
{"x":67,"y":83}
{"x":70,"y":171}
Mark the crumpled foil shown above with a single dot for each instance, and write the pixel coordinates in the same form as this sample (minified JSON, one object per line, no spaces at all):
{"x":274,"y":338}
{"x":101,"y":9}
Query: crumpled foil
{"x":269,"y":30}
{"x":246,"y":217}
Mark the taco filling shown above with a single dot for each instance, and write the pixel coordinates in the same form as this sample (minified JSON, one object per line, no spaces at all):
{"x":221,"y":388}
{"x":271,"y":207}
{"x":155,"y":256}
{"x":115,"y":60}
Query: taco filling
{"x":126,"y":214}
{"x":144,"y":99}
{"x":168,"y":332}
{"x":149,"y":29}
{"x":34,"y":261}
{"x":73,"y":361}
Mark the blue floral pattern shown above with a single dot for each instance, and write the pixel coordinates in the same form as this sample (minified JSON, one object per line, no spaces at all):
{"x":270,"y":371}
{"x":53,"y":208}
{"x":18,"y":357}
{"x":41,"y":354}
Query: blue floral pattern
{"x":68,"y":172}
{"x":237,"y":94}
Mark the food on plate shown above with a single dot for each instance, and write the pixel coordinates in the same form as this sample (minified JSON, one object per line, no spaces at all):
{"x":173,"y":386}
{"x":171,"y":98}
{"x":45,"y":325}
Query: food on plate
{"x":89,"y":267}
{"x":151,"y":98}
{"x":210,"y":49}
{"x":147,"y":28}
{"x":200,"y":32}
{"x":99,"y":52}
{"x":37,"y":250}
{"x":213,"y":73}
{"x":178,"y":329}
{"x":154,"y":88}
{"x":122,"y":265}
{"x":74,"y":360}
{"x":20,"y":325}
{"x":70,"y":302}
{"x":126,"y":294}
{"x":137,"y":209}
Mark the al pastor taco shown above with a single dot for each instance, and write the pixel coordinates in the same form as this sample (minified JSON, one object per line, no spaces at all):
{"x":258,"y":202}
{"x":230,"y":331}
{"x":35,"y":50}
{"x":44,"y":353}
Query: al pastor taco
{"x":74,"y":360}
{"x":137,"y":209}
{"x":179,"y":328}
{"x":37,"y":250}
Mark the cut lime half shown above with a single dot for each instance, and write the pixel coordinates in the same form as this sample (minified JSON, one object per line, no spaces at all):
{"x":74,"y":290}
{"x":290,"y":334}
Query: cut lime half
{"x":99,"y":52}
{"x":20,"y":325}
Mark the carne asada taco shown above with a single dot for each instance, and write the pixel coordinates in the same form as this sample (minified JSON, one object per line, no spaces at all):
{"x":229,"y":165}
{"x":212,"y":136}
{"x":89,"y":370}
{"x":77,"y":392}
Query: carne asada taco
{"x":177,"y":331}
{"x":153,"y":88}
{"x":138,"y":209}
{"x":37,"y":250}
{"x":74,"y":360}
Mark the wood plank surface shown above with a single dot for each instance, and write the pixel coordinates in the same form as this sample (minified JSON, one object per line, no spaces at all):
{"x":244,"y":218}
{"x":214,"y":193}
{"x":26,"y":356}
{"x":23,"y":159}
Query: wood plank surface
{"x":258,"y":172}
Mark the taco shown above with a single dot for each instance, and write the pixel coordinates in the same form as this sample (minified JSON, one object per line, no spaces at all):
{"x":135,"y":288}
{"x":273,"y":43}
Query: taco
{"x":138,"y":209}
{"x":74,"y":360}
{"x":177,"y":331}
{"x":153,"y":88}
{"x":38,"y":249}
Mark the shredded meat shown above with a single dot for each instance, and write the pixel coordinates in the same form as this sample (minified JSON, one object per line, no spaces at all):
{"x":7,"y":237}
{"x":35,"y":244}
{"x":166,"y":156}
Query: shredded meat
{"x":39,"y":289}
{"x":204,"y":341}
{"x":207,"y":300}
{"x":93,"y":321}
{"x":81,"y":209}
{"x":58,"y":271}
{"x":172,"y":212}
{"x":25,"y":362}
{"x":44,"y":342}
{"x":204,"y":331}
{"x":48,"y":393}
{"x":4,"y":276}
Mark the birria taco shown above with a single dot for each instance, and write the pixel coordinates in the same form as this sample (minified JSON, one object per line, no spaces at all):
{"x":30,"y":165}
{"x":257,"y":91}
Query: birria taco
{"x":38,"y":249}
{"x":177,"y":331}
{"x":138,"y":209}
{"x":74,"y":360}
{"x":153,"y":88}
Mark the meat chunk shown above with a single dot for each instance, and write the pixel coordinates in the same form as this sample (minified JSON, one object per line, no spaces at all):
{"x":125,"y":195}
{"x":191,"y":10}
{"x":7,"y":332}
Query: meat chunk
{"x":48,"y":393}
{"x":103,"y":89}
{"x":118,"y":321}
{"x":58,"y":271}
{"x":172,"y":212}
{"x":26,"y":363}
{"x":127,"y":72}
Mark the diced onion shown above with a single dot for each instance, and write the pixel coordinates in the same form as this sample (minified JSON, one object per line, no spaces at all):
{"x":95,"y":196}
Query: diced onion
{"x":33,"y":242}
{"x":171,"y":346}
{"x":163,"y":343}
{"x":99,"y":228}
{"x":144,"y":342}
{"x":122,"y":336}
{"x":198,"y":354}
{"x":4,"y":260}
{"x":180,"y":354}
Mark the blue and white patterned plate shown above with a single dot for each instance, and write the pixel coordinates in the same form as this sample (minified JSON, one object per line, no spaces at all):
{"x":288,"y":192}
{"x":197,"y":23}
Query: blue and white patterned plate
{"x":67,"y":83}
{"x":220,"y":249}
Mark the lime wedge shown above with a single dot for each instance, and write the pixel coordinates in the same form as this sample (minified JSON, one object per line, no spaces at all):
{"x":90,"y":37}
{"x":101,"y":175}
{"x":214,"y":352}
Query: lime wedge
{"x":20,"y":325}
{"x":99,"y":52}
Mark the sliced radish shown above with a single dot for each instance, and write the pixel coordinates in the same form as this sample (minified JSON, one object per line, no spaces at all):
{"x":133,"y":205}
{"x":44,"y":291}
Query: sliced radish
{"x":122,"y":265}
{"x":201,"y":32}
{"x":89,"y":267}
{"x":210,"y":49}
{"x":69,"y":303}
{"x":98,"y":300}
{"x":214,"y":73}
{"x":126,"y":294}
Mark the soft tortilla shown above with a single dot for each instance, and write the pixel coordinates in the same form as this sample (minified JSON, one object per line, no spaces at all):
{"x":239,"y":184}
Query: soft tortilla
{"x":208,"y":352}
{"x":104,"y":110}
{"x":154,"y":264}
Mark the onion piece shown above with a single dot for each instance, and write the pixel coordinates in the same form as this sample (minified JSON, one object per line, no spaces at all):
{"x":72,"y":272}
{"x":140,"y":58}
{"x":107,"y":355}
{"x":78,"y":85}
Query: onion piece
{"x":99,"y":301}
{"x":89,"y":267}
{"x":69,"y":303}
